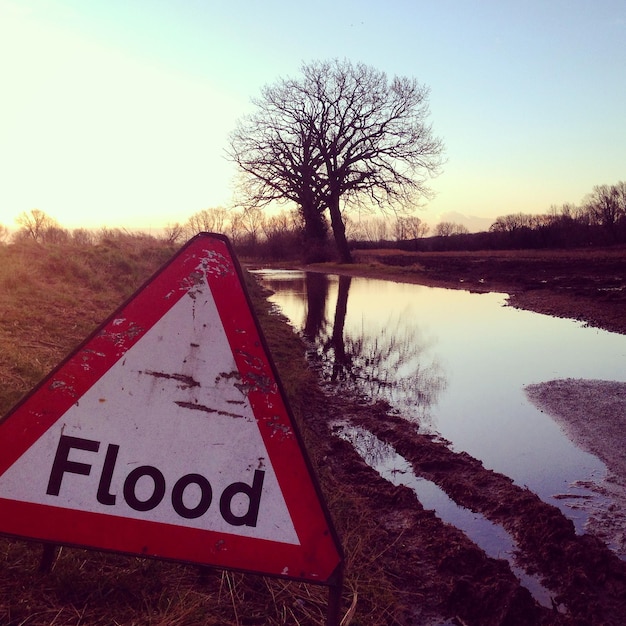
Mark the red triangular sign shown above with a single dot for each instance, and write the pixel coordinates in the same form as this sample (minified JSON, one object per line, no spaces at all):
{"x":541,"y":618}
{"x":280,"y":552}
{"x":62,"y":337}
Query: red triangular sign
{"x":166,"y":434}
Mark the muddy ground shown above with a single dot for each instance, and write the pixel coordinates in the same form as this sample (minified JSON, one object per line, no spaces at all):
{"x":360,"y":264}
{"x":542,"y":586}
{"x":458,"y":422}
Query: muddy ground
{"x":442,"y":576}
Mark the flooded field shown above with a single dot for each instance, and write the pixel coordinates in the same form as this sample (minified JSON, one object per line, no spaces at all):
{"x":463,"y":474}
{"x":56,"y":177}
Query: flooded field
{"x":455,"y":364}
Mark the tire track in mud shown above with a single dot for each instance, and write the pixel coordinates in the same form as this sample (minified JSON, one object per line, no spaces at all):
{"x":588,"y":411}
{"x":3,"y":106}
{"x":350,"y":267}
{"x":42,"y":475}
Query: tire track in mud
{"x":439,"y":574}
{"x":438,"y":571}
{"x":586,"y":577}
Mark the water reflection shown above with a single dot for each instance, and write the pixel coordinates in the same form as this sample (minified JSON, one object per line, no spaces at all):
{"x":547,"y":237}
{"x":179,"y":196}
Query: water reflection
{"x":393,"y":364}
{"x":316,"y":289}
{"x":458,"y":363}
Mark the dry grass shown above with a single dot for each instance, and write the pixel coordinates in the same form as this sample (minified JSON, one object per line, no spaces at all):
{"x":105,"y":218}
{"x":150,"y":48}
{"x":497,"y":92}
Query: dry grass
{"x":87,"y":587}
{"x":51,"y":298}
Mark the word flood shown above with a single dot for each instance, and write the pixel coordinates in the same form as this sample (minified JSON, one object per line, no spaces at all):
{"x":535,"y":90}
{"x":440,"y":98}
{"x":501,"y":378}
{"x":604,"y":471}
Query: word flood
{"x":63,"y":465}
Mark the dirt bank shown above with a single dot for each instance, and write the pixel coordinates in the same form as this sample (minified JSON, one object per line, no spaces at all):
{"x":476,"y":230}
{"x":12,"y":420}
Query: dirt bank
{"x":593,"y":415}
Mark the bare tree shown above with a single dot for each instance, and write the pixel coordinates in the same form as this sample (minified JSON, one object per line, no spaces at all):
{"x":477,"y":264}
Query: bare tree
{"x":280,"y":224}
{"x":235,"y":230}
{"x":512,"y":222}
{"x":621,"y":195}
{"x":208,"y":221}
{"x":173,"y":233}
{"x":372,"y":229}
{"x":340,"y":134}
{"x":410,"y":227}
{"x":251,"y":222}
{"x":569,"y":213}
{"x":606,"y":204}
{"x":446,"y":229}
{"x":4,"y":233}
{"x":34,"y":223}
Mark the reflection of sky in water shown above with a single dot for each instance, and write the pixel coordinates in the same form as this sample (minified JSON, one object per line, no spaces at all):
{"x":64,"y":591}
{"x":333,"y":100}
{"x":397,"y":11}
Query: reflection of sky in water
{"x":486,"y":353}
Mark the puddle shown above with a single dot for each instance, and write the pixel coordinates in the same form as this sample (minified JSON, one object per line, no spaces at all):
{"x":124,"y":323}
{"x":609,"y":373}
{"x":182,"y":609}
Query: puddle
{"x":456,"y":364}
{"x":490,"y":537}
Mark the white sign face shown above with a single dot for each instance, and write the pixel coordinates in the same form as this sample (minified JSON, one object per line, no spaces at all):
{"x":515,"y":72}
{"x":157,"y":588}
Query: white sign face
{"x":167,"y":434}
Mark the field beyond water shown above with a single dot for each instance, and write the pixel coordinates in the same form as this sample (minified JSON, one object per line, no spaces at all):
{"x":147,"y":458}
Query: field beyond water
{"x":584,"y":284}
{"x":403,"y":565}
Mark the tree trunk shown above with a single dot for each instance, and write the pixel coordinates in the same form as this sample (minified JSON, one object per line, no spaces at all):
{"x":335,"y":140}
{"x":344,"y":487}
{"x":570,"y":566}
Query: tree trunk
{"x":339,"y":230}
{"x":314,"y":225}
{"x":315,"y":234}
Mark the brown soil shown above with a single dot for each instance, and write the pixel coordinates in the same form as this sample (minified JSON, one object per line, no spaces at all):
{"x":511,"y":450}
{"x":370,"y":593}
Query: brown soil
{"x":441,"y":574}
{"x":587,"y":285}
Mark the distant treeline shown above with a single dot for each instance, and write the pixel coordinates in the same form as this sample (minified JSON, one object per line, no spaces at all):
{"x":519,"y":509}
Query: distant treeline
{"x":600,"y":220}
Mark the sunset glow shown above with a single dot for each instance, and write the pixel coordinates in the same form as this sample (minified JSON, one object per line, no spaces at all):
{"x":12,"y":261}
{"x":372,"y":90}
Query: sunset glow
{"x":118,"y":113}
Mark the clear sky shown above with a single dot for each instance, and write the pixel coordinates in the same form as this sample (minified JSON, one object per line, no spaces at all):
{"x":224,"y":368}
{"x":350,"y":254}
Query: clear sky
{"x":117,"y":112}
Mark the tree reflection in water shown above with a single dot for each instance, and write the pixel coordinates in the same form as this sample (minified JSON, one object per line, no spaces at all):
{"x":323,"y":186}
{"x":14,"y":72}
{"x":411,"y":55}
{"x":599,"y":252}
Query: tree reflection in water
{"x":392,"y":363}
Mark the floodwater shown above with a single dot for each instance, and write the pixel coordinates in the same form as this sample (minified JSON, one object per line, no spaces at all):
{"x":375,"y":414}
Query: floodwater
{"x":456,"y":363}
